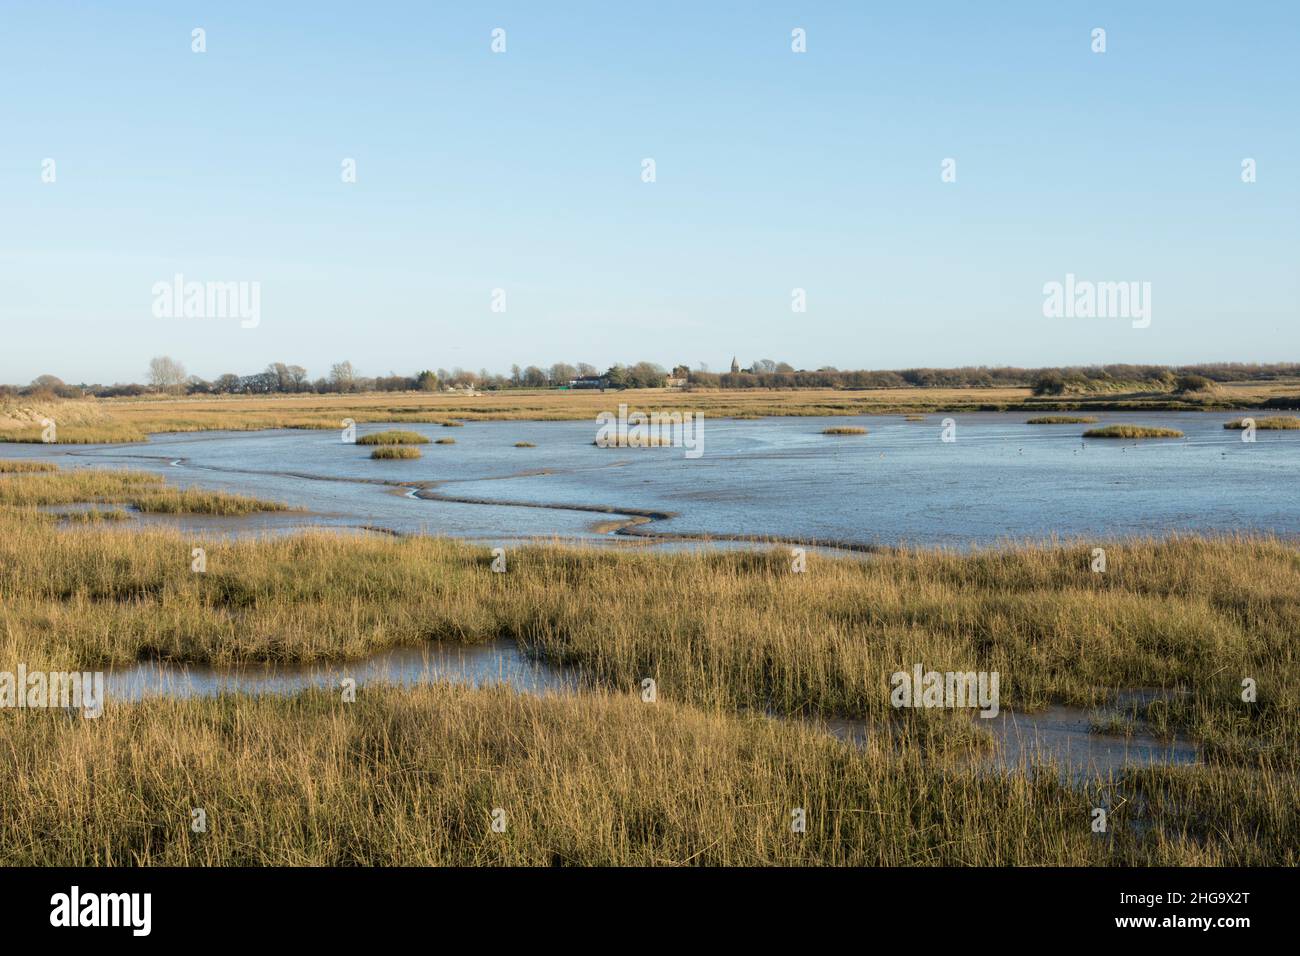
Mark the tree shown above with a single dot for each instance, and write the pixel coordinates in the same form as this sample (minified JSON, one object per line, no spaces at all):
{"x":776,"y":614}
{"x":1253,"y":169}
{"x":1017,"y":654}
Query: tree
{"x":1193,"y":383}
{"x":283,"y":380}
{"x":647,"y":375}
{"x":1049,"y":383}
{"x":426,"y":381}
{"x":534,"y":377}
{"x":343,"y":376}
{"x":587,"y":370}
{"x":166,"y":373}
{"x":562,"y":372}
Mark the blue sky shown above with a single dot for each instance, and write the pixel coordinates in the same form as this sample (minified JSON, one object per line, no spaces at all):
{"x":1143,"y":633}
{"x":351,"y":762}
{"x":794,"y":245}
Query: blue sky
{"x":522,"y":171}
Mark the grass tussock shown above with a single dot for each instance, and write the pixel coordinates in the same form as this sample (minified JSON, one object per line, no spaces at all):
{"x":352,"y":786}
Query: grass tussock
{"x":1062,"y":420}
{"x":445,"y":441}
{"x":1280,"y":423}
{"x":393,"y":438}
{"x":395,"y":452}
{"x":844,"y":430}
{"x":524,"y":444}
{"x":1132,"y":431}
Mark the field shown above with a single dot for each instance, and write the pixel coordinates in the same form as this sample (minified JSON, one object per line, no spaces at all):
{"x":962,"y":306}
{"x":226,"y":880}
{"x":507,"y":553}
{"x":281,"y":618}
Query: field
{"x":744,"y":652}
{"x":120,"y":420}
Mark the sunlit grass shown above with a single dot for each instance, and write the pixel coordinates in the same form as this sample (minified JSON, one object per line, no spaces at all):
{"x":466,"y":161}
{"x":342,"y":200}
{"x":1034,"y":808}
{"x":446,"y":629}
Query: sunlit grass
{"x":395,"y":451}
{"x":1281,"y":423}
{"x":393,"y":438}
{"x":1132,"y":431}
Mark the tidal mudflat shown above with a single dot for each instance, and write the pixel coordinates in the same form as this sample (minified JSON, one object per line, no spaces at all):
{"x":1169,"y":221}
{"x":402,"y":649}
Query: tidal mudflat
{"x":774,"y":479}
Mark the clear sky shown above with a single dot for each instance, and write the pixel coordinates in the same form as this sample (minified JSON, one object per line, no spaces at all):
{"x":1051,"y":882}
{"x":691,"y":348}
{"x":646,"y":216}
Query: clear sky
{"x":523,"y":171}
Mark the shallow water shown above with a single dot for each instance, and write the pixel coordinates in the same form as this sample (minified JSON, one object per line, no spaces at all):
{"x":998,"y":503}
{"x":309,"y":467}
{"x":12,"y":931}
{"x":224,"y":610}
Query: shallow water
{"x":478,"y":665}
{"x":1058,"y":734}
{"x":1001,"y":479}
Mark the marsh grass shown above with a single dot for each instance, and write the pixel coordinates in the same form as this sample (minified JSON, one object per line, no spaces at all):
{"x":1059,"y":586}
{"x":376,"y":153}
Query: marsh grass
{"x":107,"y":433}
{"x":445,"y":441}
{"x":26,"y":467}
{"x":1132,"y":431}
{"x":409,"y":776}
{"x":393,"y":438}
{"x":1281,"y":423}
{"x":146,"y":493}
{"x":727,"y":629}
{"x":524,"y":444}
{"x":844,"y":430}
{"x":1062,"y":420}
{"x":395,"y":451}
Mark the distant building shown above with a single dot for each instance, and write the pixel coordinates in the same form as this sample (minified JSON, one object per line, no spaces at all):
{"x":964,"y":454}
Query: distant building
{"x":590,"y":381}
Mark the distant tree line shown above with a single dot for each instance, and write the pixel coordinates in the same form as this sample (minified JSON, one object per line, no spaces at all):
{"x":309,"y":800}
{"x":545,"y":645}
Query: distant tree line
{"x":165,"y":375}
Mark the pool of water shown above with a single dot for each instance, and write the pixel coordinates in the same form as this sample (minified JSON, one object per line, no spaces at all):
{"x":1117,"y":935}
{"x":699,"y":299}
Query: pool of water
{"x":1060,"y":735}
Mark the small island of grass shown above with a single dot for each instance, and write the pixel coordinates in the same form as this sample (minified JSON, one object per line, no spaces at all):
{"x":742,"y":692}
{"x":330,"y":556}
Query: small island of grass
{"x":393,"y":438}
{"x":1267,"y":424}
{"x":844,"y":430}
{"x":1062,"y":420}
{"x":395,"y":451}
{"x":1132,"y":431}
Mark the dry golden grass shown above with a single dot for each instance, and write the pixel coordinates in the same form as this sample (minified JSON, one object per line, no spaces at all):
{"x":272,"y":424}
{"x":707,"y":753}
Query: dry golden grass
{"x":401,"y":452}
{"x":148,"y":493}
{"x":1132,"y":431}
{"x":130,"y":419}
{"x":844,"y":430}
{"x":412,"y":776}
{"x":1280,"y":423}
{"x":393,"y":438}
{"x":26,"y":467}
